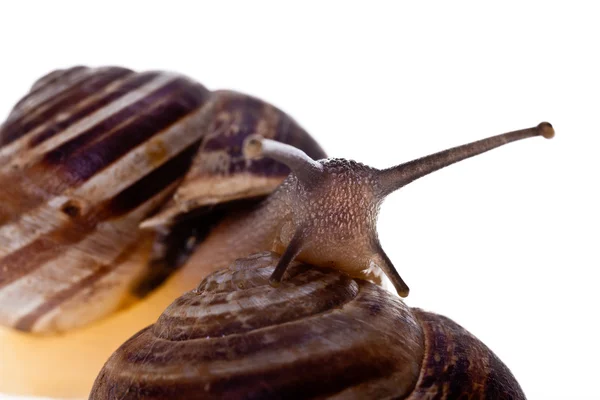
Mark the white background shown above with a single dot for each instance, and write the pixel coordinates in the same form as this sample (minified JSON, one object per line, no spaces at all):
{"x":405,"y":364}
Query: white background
{"x":506,"y":243}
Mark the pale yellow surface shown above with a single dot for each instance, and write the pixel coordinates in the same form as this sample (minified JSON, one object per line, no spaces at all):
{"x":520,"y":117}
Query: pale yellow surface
{"x":66,"y":365}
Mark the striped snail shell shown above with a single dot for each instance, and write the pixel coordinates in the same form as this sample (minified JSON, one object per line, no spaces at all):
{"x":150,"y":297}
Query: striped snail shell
{"x":90,"y":153}
{"x":321,"y":334}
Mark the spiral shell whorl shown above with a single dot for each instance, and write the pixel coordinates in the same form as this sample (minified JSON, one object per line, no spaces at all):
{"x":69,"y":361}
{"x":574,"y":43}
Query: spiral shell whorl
{"x":319,"y":334}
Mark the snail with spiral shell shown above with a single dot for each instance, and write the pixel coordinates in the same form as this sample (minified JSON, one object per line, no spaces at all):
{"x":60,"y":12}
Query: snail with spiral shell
{"x":89,"y":155}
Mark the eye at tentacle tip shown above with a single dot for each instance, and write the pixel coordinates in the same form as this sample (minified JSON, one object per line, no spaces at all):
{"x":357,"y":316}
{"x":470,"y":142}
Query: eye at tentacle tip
{"x":546,"y":130}
{"x":393,"y":178}
{"x":403,"y":292}
{"x":253,"y":147}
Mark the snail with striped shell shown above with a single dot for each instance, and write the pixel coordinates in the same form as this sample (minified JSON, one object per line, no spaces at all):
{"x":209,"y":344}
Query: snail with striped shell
{"x":90,"y":154}
{"x":85,"y":157}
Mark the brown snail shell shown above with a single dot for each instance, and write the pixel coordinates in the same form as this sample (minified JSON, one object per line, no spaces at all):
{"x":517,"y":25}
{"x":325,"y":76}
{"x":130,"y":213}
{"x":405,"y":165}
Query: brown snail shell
{"x":321,"y":334}
{"x":220,"y":171}
{"x":89,"y":154}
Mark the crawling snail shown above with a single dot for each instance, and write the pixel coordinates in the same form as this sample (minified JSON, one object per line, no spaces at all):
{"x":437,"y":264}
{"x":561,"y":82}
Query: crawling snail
{"x":89,"y":155}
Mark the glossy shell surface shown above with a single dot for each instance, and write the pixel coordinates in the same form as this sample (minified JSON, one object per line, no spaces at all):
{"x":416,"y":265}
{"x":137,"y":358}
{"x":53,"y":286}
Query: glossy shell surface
{"x":90,"y":153}
{"x":86,"y":156}
{"x":320,"y":334}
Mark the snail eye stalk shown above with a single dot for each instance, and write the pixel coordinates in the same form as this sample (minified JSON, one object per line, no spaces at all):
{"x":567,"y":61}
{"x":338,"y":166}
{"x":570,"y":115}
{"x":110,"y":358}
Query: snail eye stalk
{"x":401,"y":175}
{"x":305,"y":168}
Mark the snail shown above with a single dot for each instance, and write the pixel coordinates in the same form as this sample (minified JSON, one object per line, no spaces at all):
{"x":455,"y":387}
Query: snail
{"x":243,"y":334}
{"x":320,"y":334}
{"x":139,"y":182}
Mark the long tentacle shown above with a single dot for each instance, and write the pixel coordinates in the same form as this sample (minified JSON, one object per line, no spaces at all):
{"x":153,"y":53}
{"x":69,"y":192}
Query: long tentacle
{"x":394,"y":178}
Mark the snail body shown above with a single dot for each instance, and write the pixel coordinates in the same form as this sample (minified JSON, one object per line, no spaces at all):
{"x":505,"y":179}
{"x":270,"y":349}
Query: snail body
{"x":321,"y":334}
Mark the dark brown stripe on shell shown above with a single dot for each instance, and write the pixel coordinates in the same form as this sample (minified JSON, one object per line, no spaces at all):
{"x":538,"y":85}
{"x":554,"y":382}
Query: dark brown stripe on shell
{"x":340,"y":291}
{"x":220,"y":172}
{"x":90,"y":152}
{"x":92,"y":84}
{"x":47,"y":80}
{"x":78,"y":159}
{"x":26,"y":322}
{"x":49,"y":246}
{"x":32,"y":256}
{"x":153,"y":183}
{"x":312,"y":377}
{"x":166,"y":353}
{"x":458,"y":365}
{"x":129,"y":85}
{"x":90,"y":284}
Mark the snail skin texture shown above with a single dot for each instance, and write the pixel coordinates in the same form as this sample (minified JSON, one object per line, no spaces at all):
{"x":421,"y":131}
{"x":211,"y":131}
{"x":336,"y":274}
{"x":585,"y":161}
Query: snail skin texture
{"x":123,"y":190}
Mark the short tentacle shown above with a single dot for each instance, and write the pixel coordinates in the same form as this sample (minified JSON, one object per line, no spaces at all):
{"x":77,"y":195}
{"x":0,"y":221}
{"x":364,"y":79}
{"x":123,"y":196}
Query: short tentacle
{"x":304,"y":167}
{"x":293,"y":249}
{"x":385,"y":264}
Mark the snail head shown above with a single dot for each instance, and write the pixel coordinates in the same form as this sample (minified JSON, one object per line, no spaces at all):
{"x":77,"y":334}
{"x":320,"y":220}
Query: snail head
{"x":333,"y":204}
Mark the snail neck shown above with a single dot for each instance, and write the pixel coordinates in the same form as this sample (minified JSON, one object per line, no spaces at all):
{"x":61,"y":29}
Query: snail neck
{"x":246,"y":231}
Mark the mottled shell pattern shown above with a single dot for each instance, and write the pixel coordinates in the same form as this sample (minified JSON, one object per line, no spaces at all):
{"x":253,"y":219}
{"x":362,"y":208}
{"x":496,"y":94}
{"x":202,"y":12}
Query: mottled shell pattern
{"x":321,"y":334}
{"x":88,"y":155}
